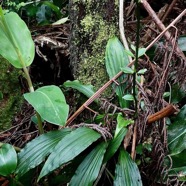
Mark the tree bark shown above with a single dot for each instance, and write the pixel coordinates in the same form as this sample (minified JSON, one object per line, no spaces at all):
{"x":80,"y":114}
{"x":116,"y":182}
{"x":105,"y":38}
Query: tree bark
{"x":93,"y":22}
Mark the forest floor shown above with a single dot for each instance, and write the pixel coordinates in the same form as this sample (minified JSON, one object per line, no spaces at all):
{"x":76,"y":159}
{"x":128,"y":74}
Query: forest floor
{"x":47,"y":70}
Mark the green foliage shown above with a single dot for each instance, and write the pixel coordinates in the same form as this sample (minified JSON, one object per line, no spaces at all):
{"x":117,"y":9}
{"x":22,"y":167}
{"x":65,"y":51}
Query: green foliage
{"x":177,"y":93}
{"x":42,"y":12}
{"x":116,"y":58}
{"x":38,"y":149}
{"x":128,"y":97}
{"x":177,"y":133}
{"x":68,"y":148}
{"x":114,"y":144}
{"x":127,"y":70}
{"x":142,"y":71}
{"x":87,"y":90}
{"x":20,"y":54}
{"x":122,"y":123}
{"x":50,"y":103}
{"x":89,"y":168}
{"x":127,"y":172}
{"x":8,"y":160}
{"x":177,"y":146}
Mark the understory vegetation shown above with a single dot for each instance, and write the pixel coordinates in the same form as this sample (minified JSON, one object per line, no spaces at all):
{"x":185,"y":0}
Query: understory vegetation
{"x":58,"y":131}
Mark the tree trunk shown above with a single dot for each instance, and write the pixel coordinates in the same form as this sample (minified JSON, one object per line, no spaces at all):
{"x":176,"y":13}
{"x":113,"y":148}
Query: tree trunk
{"x":93,"y":23}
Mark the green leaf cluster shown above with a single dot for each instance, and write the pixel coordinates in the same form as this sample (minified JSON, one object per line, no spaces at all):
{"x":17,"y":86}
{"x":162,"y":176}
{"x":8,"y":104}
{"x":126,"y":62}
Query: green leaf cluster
{"x":115,"y":59}
{"x":177,"y":145}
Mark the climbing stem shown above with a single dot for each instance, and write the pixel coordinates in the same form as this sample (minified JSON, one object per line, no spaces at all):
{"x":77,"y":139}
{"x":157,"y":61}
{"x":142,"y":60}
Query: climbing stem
{"x":136,"y":57}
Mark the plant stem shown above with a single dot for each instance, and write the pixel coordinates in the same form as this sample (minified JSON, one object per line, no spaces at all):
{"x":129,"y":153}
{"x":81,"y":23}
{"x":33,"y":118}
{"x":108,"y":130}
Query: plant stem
{"x":136,"y":58}
{"x":29,"y":81}
{"x":31,"y":89}
{"x":40,"y":125}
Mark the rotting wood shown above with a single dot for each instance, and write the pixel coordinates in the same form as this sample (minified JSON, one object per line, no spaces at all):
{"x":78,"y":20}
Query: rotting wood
{"x":165,"y":112}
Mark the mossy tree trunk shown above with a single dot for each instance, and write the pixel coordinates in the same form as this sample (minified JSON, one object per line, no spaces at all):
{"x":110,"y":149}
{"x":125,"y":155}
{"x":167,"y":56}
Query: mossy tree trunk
{"x":11,"y":96}
{"x":93,"y":23}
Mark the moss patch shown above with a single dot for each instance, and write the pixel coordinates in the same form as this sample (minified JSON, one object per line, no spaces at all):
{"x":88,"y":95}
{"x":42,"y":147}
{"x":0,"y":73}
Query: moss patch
{"x":10,"y":89}
{"x":95,"y":22}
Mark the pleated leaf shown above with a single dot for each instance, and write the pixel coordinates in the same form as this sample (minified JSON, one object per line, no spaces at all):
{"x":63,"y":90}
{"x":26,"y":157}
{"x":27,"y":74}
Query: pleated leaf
{"x":114,"y":144}
{"x":88,"y":170}
{"x":122,"y":123}
{"x":38,"y":149}
{"x":126,"y":172}
{"x":8,"y":160}
{"x":116,"y":58}
{"x":87,"y":90}
{"x":177,"y":133}
{"x":50,"y":103}
{"x":16,"y":44}
{"x":68,"y":148}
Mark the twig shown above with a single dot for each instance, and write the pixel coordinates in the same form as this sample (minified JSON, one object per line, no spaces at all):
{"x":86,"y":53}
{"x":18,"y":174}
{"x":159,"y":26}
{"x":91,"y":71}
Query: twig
{"x":165,"y":112}
{"x":133,"y":151}
{"x":165,"y":30}
{"x":161,"y":26}
{"x":170,"y":7}
{"x":121,"y":28}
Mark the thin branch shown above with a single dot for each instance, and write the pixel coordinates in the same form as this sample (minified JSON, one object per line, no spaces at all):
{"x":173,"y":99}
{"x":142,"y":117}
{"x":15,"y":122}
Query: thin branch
{"x":170,"y":7}
{"x":165,"y":30}
{"x":121,"y":28}
{"x":162,"y":27}
{"x":165,"y":112}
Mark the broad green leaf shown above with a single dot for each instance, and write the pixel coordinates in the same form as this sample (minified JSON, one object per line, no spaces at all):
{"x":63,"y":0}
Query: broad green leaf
{"x":177,"y":165}
{"x":88,"y":170}
{"x":141,"y":52}
{"x":53,"y":7}
{"x":179,"y":172}
{"x":87,"y":90}
{"x":38,"y":149}
{"x":177,"y":93}
{"x":68,"y":148}
{"x":114,"y":144}
{"x":61,"y":21}
{"x":50,"y":103}
{"x":182,"y":114}
{"x":142,"y":71}
{"x":115,"y":59}
{"x":127,"y":70}
{"x":8,"y":160}
{"x":128,"y":97}
{"x":178,"y":160}
{"x":177,"y":133}
{"x":127,"y":172}
{"x":122,"y":123}
{"x":133,"y":47}
{"x":166,"y":94}
{"x":16,"y":44}
{"x":129,"y":53}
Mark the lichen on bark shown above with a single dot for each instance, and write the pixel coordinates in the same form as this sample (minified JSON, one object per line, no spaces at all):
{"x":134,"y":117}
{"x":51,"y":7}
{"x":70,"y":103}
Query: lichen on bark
{"x":93,"y":23}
